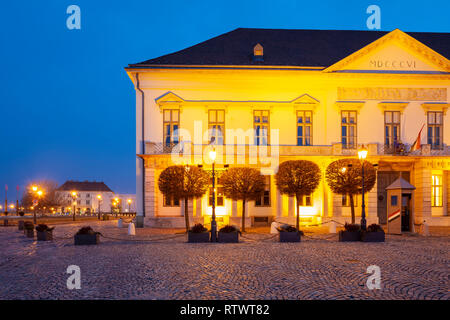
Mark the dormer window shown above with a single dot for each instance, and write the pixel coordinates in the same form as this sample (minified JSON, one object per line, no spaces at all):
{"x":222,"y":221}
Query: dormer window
{"x":258,"y":53}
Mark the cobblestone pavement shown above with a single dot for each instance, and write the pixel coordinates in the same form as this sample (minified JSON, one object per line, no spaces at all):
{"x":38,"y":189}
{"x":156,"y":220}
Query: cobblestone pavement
{"x":412,"y":267}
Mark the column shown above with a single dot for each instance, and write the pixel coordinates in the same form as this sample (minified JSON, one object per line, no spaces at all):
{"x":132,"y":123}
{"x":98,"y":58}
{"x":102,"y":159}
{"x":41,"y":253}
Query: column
{"x":234,"y":208}
{"x":372,"y":205}
{"x":198,"y":207}
{"x":279,"y":204}
{"x":291,"y":207}
{"x":422,"y":196}
{"x":150,"y":196}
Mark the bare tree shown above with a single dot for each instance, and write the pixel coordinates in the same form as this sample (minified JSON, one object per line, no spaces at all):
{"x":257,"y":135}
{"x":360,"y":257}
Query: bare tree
{"x":298,"y":178}
{"x":183,"y":182}
{"x":50,"y":197}
{"x":242,"y":183}
{"x":344,"y":177}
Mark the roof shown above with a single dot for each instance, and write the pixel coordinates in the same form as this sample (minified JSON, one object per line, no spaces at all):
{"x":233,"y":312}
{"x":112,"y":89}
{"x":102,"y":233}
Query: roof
{"x":71,"y":185}
{"x":284,"y":47}
{"x":400,"y":183}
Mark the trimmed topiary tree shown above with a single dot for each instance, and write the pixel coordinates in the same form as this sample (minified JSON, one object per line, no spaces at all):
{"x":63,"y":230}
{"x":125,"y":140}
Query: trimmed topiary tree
{"x":344,"y":177}
{"x":183,"y":182}
{"x":242,"y":183}
{"x":297,"y":178}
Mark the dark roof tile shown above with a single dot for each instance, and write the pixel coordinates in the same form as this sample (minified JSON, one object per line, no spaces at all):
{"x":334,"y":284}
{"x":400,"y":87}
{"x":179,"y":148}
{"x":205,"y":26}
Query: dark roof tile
{"x":84,"y":186}
{"x":283,"y":47}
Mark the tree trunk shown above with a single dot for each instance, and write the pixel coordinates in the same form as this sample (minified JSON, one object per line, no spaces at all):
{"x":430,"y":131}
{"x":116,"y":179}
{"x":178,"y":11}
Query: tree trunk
{"x":186,"y":213}
{"x":297,"y":223}
{"x":243,"y":215}
{"x":352,"y":206}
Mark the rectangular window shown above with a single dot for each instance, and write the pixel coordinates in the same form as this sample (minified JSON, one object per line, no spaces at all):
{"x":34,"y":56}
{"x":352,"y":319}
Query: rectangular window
{"x":304,"y":128}
{"x":391,"y":128}
{"x":216,"y":125}
{"x":88,"y":202}
{"x":264,"y":200}
{"x":171,"y":125}
{"x":346,"y":201}
{"x":348,"y":127}
{"x":394,"y":201}
{"x":171,"y":201}
{"x":261,"y":127}
{"x":306,"y":201}
{"x":436,"y":190}
{"x":219,"y":197}
{"x":435,"y":129}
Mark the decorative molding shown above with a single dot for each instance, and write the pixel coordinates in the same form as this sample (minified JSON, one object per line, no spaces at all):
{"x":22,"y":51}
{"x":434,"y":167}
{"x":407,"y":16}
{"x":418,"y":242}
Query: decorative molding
{"x":392,"y":106}
{"x":350,"y":105}
{"x":172,"y":100}
{"x":430,"y":106}
{"x":392,"y":93}
{"x":422,"y":50}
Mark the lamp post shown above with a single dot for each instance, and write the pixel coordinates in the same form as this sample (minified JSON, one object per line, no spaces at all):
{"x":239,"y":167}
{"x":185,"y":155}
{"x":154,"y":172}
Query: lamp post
{"x":99,"y":197}
{"x":129,"y":205}
{"x":74,"y":198}
{"x":362,"y":154}
{"x":116,"y":204}
{"x":212,"y":156}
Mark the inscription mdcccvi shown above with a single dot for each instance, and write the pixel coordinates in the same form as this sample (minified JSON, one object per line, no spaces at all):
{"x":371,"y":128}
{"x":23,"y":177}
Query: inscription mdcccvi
{"x":395,"y":64}
{"x":403,"y":94}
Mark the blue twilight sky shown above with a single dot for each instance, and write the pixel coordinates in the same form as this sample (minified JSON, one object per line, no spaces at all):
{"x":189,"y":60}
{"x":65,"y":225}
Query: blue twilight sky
{"x":67,"y":105}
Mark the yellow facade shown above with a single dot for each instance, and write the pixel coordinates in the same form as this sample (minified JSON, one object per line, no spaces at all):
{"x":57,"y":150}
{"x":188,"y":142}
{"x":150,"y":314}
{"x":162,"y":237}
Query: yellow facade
{"x":395,"y":76}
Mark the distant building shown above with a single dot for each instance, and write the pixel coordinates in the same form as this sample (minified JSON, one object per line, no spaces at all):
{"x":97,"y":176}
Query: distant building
{"x":87,"y":199}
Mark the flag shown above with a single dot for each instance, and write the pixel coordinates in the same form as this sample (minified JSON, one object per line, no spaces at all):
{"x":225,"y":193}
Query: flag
{"x":416,"y":145}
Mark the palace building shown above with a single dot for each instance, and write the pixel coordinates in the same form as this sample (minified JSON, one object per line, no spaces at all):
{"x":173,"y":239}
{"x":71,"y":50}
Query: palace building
{"x":271,"y":95}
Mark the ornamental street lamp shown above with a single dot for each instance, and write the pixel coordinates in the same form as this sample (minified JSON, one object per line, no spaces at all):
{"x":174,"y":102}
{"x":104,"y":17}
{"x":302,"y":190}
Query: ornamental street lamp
{"x":99,"y":197}
{"x":74,"y":195}
{"x":129,"y":204}
{"x":116,"y":204}
{"x":362,"y":154}
{"x":36,"y":194}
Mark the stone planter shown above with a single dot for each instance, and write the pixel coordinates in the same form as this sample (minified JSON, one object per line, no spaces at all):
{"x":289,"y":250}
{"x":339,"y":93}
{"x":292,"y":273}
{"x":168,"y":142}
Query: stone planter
{"x":105,"y":217}
{"x":349,"y":236}
{"x":289,"y":236}
{"x":44,"y":235}
{"x":86,"y":239}
{"x":29,"y":233}
{"x":228,"y":237}
{"x":195,"y":237}
{"x":20,"y":224}
{"x":378,"y":236}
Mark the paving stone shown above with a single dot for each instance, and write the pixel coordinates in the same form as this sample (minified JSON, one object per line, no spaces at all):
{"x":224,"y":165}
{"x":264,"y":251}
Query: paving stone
{"x":131,"y":267}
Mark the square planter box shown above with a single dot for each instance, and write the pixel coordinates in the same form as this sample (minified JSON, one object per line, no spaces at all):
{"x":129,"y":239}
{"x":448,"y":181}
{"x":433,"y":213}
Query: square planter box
{"x":20,"y":224}
{"x":228,"y":237}
{"x":86,"y":239}
{"x":289,"y":236}
{"x":349,"y":236}
{"x":29,"y":233}
{"x":44,"y":235}
{"x":198,"y":237}
{"x":373,"y":236}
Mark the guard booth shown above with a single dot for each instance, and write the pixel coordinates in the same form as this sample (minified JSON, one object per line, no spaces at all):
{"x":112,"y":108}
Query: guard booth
{"x":400,"y":207}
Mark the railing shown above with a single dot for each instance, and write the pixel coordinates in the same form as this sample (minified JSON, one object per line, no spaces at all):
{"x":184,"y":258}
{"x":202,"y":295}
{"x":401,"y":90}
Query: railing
{"x":336,"y":149}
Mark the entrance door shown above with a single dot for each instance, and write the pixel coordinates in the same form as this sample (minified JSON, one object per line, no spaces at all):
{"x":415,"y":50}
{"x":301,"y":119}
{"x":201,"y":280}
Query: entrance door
{"x":384,"y":179}
{"x":406,"y":212}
